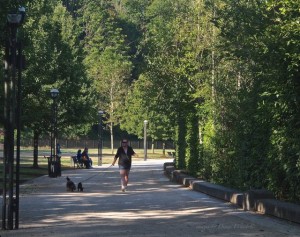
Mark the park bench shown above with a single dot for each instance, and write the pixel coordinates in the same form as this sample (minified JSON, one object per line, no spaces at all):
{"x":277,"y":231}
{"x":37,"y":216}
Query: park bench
{"x":76,"y":163}
{"x":171,"y":154}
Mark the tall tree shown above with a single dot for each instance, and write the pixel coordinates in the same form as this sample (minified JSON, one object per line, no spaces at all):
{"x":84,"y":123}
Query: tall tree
{"x":258,"y":37}
{"x":53,"y":61}
{"x":107,"y":59}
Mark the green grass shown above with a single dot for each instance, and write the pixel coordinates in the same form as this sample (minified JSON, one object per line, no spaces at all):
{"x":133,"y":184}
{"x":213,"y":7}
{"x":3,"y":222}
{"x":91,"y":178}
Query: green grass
{"x":28,"y":172}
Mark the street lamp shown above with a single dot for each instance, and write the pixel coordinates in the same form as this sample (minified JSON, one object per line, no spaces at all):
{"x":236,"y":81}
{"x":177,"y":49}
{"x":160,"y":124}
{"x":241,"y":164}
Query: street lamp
{"x":10,"y":204}
{"x":100,"y":137}
{"x":53,"y":163}
{"x":54,"y":93}
{"x":145,"y":139}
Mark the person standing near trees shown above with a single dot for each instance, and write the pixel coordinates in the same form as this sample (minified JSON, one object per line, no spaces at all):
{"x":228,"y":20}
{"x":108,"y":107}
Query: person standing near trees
{"x":124,"y":154}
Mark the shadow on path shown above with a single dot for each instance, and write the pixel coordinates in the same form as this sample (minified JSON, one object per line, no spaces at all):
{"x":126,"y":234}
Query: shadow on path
{"x":152,"y":206}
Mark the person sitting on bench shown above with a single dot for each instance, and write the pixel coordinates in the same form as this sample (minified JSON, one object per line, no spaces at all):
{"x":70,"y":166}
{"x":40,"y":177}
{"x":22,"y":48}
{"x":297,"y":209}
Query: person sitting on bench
{"x":87,"y":161}
{"x":79,"y":157}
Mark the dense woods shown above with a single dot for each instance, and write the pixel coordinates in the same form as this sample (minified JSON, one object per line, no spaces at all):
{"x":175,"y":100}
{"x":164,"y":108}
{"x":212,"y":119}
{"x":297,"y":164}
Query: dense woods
{"x":219,"y":77}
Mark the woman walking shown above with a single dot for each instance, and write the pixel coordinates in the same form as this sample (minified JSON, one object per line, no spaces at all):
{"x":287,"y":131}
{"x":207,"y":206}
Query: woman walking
{"x":124,"y":154}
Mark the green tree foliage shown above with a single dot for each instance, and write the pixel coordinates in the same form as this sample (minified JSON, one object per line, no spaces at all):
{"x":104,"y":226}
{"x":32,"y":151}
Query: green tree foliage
{"x":176,"y":46}
{"x":107,"y":59}
{"x":261,"y":144}
{"x":133,"y":20}
{"x":141,"y":105}
{"x":193,"y":143}
{"x":181,"y":144}
{"x":238,"y":63}
{"x":53,"y":59}
{"x":164,"y":51}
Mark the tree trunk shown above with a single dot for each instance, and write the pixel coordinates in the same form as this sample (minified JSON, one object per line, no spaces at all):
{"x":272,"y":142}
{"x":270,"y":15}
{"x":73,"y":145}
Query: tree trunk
{"x":152,"y":146}
{"x":112,"y":138}
{"x":35,"y":149}
{"x":181,"y":142}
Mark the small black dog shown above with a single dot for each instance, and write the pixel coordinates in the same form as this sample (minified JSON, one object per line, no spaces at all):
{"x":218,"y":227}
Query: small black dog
{"x":71,"y":187}
{"x":79,"y":187}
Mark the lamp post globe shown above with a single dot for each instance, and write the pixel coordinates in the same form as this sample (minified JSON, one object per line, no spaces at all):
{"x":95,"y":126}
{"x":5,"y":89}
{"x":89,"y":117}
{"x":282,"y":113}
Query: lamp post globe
{"x":54,"y":93}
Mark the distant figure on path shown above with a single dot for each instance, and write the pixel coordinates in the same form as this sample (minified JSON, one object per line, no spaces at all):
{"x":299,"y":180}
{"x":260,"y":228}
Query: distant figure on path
{"x":58,"y":151}
{"x":124,"y":154}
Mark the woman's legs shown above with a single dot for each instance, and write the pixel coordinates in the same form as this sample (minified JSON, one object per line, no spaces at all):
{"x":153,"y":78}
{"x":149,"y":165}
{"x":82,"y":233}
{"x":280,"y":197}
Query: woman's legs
{"x":124,"y":178}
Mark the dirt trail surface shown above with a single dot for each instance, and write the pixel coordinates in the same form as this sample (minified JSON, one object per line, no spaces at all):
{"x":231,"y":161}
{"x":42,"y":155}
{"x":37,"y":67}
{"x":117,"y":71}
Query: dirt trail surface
{"x":152,"y":206}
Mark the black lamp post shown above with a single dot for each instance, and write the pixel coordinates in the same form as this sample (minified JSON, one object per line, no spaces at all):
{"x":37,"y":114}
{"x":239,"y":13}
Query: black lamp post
{"x":54,"y":162}
{"x":12,"y":91}
{"x":145,"y":139}
{"x":100,"y":137}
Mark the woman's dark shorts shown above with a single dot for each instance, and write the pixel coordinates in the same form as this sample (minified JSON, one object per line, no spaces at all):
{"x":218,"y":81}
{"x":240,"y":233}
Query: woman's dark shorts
{"x":124,"y":167}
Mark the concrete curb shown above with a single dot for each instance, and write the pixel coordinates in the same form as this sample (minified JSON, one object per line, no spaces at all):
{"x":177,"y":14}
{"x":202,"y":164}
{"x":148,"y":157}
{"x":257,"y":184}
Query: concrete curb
{"x":262,"y":201}
{"x":284,"y":210}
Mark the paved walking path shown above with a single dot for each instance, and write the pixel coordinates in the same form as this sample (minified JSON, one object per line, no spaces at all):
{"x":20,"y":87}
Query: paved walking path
{"x":152,"y":206}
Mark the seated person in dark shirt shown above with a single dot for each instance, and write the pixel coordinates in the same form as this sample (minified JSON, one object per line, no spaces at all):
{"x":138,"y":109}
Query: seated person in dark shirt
{"x":87,"y":161}
{"x":79,"y":157}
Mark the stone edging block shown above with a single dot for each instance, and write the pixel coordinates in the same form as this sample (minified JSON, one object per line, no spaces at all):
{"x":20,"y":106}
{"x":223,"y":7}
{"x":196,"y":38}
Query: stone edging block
{"x":252,"y":196}
{"x":218,"y":191}
{"x":280,"y":209}
{"x":261,"y":200}
{"x":166,"y":164}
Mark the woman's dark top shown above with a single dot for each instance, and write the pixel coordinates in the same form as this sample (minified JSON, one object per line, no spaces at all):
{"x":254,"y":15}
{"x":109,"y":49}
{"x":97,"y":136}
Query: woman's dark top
{"x":124,"y":158}
{"x":79,"y":158}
